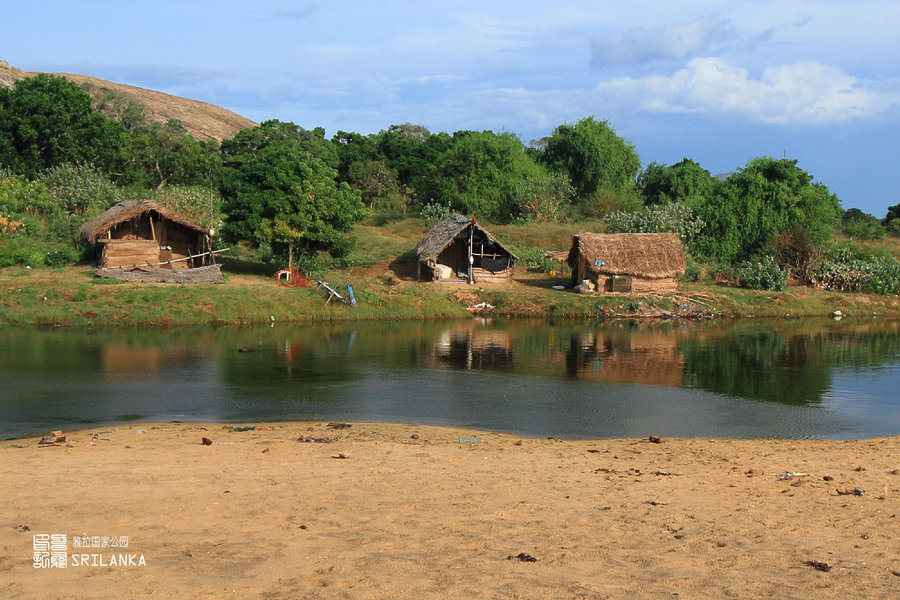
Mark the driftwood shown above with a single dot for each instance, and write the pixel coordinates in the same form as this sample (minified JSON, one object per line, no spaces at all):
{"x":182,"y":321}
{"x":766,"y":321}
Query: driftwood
{"x":208,"y":274}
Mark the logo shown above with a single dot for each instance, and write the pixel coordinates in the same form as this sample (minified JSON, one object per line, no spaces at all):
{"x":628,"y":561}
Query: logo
{"x":51,"y":551}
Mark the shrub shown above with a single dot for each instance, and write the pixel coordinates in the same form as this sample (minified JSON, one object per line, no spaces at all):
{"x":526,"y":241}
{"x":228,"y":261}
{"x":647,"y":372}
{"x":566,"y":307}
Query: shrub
{"x":764,"y":274}
{"x":79,"y":189}
{"x":692,"y":271}
{"x":61,"y":257}
{"x":667,"y":218}
{"x":851,"y":269}
{"x":435,"y":212}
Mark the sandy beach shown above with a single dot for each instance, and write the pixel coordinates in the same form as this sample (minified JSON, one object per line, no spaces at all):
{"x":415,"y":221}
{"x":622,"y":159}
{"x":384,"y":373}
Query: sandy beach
{"x":362,"y":510}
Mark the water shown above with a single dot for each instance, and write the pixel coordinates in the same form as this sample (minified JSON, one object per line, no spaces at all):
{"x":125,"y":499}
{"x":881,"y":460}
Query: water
{"x":753,"y":378}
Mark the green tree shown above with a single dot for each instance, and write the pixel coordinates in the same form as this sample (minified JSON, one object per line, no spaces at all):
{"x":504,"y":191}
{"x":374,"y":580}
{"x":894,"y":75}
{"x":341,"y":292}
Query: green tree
{"x":765,"y":198}
{"x":81,"y":190}
{"x":47,"y":121}
{"x":377,"y":185}
{"x":411,"y":151}
{"x":278,"y":191}
{"x":157,"y":155}
{"x":601,"y":166}
{"x":482,"y":174}
{"x":857,"y":224}
{"x":686,"y":182}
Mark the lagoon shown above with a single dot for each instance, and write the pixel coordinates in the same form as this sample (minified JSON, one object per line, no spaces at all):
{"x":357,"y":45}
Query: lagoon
{"x":749,"y":378}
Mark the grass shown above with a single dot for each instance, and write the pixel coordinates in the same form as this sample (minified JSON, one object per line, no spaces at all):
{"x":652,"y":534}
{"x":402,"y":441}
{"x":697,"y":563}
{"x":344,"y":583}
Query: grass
{"x":379,"y":271}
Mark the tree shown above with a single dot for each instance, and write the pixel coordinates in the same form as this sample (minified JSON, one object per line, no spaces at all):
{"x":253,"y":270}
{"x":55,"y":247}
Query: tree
{"x":376,"y":183}
{"x":482,"y":173}
{"x":767,"y":197}
{"x":157,"y":155}
{"x":47,"y":121}
{"x":860,"y":225}
{"x":601,"y":165}
{"x":685,"y":182}
{"x":279,"y":191}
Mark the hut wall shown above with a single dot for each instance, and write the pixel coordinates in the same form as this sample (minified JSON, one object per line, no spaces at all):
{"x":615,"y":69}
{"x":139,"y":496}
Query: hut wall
{"x":455,"y":256}
{"x":639,"y":285}
{"x":124,"y":253}
{"x":184,"y":242}
{"x":479,"y":274}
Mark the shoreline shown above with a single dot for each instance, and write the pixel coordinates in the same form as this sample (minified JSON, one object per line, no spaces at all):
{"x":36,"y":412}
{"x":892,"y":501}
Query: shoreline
{"x":381,"y":510}
{"x":73,"y":298}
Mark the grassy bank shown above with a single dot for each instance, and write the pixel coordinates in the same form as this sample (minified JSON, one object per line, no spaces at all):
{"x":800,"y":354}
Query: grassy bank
{"x":383,"y":280}
{"x":73,"y":297}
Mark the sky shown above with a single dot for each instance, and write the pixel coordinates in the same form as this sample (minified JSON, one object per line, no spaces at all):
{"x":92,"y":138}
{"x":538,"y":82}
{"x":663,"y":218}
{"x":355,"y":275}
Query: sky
{"x":719,"y":82}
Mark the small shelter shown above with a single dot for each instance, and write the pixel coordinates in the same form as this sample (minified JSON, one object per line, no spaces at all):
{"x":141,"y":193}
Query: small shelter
{"x":146,"y":237}
{"x":627,"y":262}
{"x":458,"y":248}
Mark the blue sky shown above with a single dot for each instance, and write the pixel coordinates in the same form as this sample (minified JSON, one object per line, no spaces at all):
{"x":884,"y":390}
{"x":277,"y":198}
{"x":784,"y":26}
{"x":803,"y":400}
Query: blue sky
{"x":716,"y":81}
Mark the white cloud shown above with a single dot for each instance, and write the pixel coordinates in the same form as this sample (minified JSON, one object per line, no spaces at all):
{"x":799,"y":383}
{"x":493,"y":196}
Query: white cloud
{"x":807,"y":93}
{"x":639,"y":46}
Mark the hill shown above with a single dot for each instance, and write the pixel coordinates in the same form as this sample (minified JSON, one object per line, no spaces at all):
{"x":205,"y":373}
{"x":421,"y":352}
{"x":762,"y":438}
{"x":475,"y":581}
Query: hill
{"x":203,"y":121}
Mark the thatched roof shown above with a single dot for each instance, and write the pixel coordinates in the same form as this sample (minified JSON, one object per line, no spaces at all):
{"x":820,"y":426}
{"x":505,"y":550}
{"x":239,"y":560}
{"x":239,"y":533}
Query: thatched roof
{"x":126,"y":210}
{"x":443,"y":234}
{"x":647,"y":255}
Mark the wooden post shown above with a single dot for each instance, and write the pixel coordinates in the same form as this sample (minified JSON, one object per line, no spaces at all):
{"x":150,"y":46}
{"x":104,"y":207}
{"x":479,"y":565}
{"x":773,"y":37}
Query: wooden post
{"x":471,"y":235}
{"x":152,"y":230}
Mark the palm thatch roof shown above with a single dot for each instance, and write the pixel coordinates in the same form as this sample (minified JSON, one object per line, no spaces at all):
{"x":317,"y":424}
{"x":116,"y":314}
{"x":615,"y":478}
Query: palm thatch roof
{"x":97,"y":227}
{"x":646,"y":255}
{"x":443,"y":234}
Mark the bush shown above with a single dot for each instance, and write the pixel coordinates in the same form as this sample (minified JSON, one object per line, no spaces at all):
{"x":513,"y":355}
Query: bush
{"x":61,"y":257}
{"x":764,"y":274}
{"x":852,"y":269}
{"x":79,"y":189}
{"x":667,"y":218}
{"x":692,"y":271}
{"x":435,"y":212}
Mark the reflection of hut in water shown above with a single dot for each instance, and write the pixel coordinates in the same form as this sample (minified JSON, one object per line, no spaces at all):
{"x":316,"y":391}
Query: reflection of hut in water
{"x":646,"y":357}
{"x":458,"y":248}
{"x":123,"y":362}
{"x":145,"y":241}
{"x":627,"y":262}
{"x":468,"y":346}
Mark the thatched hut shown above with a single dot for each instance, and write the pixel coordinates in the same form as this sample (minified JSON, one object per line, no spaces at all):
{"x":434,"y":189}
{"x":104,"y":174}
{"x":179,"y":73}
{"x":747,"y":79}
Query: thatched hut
{"x":627,"y":262}
{"x":148,"y":237}
{"x":458,"y":248}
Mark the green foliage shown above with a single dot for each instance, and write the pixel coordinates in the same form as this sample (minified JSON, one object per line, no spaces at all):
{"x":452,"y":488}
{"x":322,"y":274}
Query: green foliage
{"x":857,"y":224}
{"x":594,"y":158}
{"x":667,"y":218}
{"x":198,"y":204}
{"x":850,"y":268}
{"x":767,"y":197}
{"x":435,"y":212}
{"x":763,"y":274}
{"x":79,"y":189}
{"x":280,"y":189}
{"x":797,"y":251}
{"x":411,"y":152}
{"x":47,"y":121}
{"x":481,"y":174}
{"x":61,"y":257}
{"x":22,"y":198}
{"x":544,"y":199}
{"x":157,"y":155}
{"x":377,"y":185}
{"x":686,"y":182}
{"x":692,"y":271}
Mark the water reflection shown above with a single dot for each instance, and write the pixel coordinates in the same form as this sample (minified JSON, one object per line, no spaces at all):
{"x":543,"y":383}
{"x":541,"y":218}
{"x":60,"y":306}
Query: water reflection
{"x":569,"y":379}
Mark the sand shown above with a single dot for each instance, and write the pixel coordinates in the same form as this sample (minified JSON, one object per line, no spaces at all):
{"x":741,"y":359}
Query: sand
{"x":402,"y":511}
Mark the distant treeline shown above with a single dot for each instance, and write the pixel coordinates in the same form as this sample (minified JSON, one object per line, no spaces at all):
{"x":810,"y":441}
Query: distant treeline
{"x":66,"y":155}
